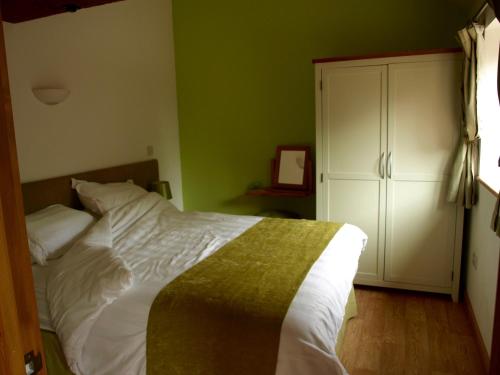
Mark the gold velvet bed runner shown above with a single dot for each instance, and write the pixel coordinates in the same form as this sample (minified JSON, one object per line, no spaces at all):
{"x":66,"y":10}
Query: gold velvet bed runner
{"x":224,"y":315}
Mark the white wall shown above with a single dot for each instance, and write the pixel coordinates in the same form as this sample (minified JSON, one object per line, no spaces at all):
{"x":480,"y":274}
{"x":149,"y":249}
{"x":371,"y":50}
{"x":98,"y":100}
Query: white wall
{"x":482,"y":282}
{"x":118,"y":62}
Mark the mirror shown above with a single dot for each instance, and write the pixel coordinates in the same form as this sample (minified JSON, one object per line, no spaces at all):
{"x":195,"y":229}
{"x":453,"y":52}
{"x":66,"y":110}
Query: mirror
{"x":292,"y":168}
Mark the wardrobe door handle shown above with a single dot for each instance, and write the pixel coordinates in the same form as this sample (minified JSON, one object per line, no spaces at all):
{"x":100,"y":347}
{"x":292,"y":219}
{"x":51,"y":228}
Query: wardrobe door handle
{"x":381,"y":163}
{"x":389,"y":165}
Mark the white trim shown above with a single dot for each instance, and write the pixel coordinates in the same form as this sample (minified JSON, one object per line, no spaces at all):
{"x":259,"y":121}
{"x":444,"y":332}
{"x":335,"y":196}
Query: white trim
{"x":320,"y":186}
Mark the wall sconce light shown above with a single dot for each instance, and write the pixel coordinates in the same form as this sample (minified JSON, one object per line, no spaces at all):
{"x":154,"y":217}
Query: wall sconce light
{"x":162,"y":188}
{"x":50,"y":96}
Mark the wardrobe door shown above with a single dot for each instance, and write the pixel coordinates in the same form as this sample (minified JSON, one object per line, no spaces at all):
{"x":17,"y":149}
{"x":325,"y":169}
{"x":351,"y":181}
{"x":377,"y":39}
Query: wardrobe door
{"x":354,"y":121}
{"x":423,"y":127}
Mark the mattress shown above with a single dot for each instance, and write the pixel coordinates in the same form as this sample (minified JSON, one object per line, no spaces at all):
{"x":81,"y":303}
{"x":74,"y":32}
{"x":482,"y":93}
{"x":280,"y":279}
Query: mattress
{"x":157,"y":248}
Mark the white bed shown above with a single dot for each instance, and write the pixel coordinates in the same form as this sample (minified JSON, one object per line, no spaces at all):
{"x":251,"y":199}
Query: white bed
{"x":156,"y":243}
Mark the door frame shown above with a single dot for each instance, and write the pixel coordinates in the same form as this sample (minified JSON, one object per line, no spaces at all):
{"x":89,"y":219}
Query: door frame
{"x":19,"y":325}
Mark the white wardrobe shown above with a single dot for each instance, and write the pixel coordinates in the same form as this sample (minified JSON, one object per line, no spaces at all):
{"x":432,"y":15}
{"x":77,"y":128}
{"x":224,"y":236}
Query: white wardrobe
{"x":387,"y":130}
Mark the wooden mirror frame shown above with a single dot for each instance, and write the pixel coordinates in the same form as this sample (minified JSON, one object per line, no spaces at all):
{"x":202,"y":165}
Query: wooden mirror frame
{"x":306,"y":184}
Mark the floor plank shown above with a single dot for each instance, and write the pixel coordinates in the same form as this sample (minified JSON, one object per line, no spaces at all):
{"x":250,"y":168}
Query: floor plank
{"x":401,"y":332}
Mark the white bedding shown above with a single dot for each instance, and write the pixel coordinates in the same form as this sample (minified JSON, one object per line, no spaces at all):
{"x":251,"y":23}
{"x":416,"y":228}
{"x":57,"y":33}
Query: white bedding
{"x":156,"y":244}
{"x":40,"y":274}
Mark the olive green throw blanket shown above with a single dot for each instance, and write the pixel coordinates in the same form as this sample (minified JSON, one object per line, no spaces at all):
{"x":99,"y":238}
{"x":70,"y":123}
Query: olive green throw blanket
{"x":224,"y":315}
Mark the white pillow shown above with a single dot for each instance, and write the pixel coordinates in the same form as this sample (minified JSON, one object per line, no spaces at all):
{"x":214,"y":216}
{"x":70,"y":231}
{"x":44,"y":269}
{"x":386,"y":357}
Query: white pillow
{"x":53,"y":230}
{"x":100,"y":198}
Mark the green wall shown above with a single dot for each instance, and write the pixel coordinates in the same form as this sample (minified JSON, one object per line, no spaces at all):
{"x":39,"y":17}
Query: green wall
{"x":245,"y":82}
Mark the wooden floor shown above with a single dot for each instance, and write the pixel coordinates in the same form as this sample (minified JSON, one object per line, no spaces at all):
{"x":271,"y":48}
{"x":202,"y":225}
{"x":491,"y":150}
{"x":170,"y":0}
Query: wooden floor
{"x":398,"y":332}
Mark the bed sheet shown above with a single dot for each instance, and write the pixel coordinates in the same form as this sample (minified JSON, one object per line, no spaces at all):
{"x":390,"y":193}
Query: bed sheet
{"x":40,"y":274}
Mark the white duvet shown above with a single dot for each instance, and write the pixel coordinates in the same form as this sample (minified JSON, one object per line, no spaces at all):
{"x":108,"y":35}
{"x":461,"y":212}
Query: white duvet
{"x":100,"y":292}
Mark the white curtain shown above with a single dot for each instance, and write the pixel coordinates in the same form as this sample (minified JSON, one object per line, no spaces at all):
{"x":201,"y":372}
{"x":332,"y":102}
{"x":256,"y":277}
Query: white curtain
{"x":463,"y":184}
{"x":495,"y":221}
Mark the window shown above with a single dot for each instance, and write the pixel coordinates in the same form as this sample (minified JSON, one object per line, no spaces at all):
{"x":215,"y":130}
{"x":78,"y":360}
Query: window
{"x":488,"y":108}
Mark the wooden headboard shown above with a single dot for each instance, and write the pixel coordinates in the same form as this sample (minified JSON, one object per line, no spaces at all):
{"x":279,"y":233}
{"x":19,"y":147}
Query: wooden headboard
{"x":40,"y":194}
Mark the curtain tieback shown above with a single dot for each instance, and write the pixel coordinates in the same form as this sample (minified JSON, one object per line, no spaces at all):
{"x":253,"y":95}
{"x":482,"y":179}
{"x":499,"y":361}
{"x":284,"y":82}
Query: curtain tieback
{"x":473,"y":141}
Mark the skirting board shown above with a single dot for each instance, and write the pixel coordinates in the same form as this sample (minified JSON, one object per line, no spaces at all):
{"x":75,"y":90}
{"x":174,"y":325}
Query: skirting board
{"x":483,"y":353}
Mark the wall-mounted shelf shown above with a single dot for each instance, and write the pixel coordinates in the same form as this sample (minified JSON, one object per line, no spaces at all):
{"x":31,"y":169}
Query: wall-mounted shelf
{"x":273,"y":192}
{"x":303,"y":188}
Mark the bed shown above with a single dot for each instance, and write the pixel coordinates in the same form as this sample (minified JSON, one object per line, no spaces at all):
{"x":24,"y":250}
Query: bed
{"x":310,"y":331}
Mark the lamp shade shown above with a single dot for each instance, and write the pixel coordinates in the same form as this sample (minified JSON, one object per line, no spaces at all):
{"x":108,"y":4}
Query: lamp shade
{"x":162,"y":188}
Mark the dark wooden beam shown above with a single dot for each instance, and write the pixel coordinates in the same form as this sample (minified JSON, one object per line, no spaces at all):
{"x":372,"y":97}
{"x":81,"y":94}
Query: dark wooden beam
{"x":24,"y":10}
